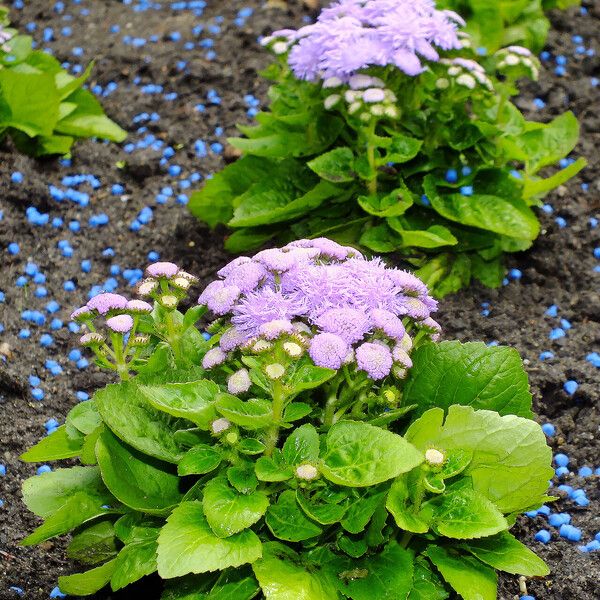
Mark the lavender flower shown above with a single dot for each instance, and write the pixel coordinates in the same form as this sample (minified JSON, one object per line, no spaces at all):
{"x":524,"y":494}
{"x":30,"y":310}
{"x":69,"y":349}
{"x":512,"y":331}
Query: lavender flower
{"x":231,"y":339}
{"x":239,"y":382}
{"x":375,"y":359}
{"x":354,"y":34}
{"x":219,"y":297}
{"x":349,"y":324}
{"x":214,"y":357}
{"x":106,"y":302}
{"x":120,"y":323}
{"x":388,"y":322}
{"x":162,"y":269}
{"x":274,"y":329}
{"x":139,"y":306}
{"x":82,"y":313}
{"x":328,"y":350}
{"x":146,"y":287}
{"x":264,"y":306}
{"x":246,"y":277}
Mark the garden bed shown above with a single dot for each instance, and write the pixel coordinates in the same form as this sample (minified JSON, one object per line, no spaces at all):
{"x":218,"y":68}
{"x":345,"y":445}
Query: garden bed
{"x":559,"y":270}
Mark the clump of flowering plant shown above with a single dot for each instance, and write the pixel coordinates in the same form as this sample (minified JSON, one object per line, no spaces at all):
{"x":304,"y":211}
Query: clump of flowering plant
{"x":318,"y":443}
{"x":42,"y":107}
{"x":385,"y":131}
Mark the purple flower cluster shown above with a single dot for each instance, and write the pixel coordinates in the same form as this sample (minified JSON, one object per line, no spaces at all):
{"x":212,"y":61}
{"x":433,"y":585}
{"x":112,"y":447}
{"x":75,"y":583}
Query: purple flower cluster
{"x":354,"y":34}
{"x":345,"y":308}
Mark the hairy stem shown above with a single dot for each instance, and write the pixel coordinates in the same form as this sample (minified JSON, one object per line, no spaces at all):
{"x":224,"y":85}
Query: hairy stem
{"x":278,"y":406}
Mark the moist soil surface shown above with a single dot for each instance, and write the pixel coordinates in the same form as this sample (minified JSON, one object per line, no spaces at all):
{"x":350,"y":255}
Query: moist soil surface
{"x":558,"y":270}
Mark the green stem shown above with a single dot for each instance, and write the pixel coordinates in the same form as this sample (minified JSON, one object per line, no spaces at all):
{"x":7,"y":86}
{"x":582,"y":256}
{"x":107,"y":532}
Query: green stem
{"x":278,"y":406}
{"x":372,"y":183}
{"x":120,"y":363}
{"x":173,"y":337}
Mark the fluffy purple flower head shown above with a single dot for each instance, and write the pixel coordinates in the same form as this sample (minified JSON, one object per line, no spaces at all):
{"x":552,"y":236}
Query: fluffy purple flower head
{"x":274,"y":329}
{"x":231,"y":339}
{"x":266,"y":305}
{"x":246,"y":276}
{"x":214,"y":357}
{"x":162,"y":269}
{"x":81,"y":313}
{"x":219,"y":298}
{"x":350,"y":324}
{"x":139,"y":306}
{"x":375,"y":359}
{"x":328,"y":350}
{"x":120,"y":323}
{"x":351,"y":35}
{"x":388,"y":322}
{"x":229,"y":267}
{"x":239,"y":382}
{"x":106,"y":301}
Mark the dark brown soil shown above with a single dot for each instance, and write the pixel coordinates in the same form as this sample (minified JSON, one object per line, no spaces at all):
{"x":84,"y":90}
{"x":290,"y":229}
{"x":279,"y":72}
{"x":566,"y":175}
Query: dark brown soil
{"x":558,"y":270}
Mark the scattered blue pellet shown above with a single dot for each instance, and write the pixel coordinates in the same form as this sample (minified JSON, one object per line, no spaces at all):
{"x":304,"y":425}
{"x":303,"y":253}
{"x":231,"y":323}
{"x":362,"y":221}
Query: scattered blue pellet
{"x":570,"y":386}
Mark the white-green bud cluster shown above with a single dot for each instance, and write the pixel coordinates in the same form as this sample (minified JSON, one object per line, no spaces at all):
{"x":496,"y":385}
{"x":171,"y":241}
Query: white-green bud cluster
{"x":517,"y":59}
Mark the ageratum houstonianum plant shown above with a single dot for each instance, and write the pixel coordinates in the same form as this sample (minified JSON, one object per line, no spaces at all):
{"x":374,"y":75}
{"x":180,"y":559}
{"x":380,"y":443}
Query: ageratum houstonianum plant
{"x":319,"y":443}
{"x":384,"y":131}
{"x":44,"y":109}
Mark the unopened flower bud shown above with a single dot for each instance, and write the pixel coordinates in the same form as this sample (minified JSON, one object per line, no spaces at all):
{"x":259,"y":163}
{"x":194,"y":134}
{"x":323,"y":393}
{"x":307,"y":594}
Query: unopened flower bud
{"x":275,"y":371}
{"x":214,"y":357}
{"x":220,"y":425}
{"x":466,"y":80}
{"x":232,"y":437}
{"x":355,"y":106}
{"x":261,"y":346}
{"x":279,"y":47}
{"x":434,"y":457}
{"x":181,"y":282}
{"x":307,"y":472}
{"x":169,"y":301}
{"x":239,"y":382}
{"x":139,"y":341}
{"x":146,"y":287}
{"x":332,"y":82}
{"x":91,"y":339}
{"x":442,"y":83}
{"x":331,"y":101}
{"x":292,"y":349}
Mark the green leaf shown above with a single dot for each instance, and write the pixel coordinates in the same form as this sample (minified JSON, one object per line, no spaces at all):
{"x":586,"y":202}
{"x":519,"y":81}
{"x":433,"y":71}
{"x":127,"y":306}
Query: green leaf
{"x":296,"y":411}
{"x":90,"y":582}
{"x":469,"y":577}
{"x":321,"y":508}
{"x":472,"y":374}
{"x":426,"y":584}
{"x":134,"y":561}
{"x":381,"y":239}
{"x":287,"y":521}
{"x":308,"y":140}
{"x":393,"y":204}
{"x":273,"y":468}
{"x":490,"y":272}
{"x":282,"y":576}
{"x":136,"y":480}
{"x":400,"y":507}
{"x":278,"y":200}
{"x":336,"y":165}
{"x":361,"y":455}
{"x":464,"y":514}
{"x":94,"y":544}
{"x":402,"y":149}
{"x":131,"y":417}
{"x":229,"y":512}
{"x":361,"y":510}
{"x":505,"y":553}
{"x":186,"y":544}
{"x":243,"y":240}
{"x":251,"y":414}
{"x":56,"y":446}
{"x":251,"y":446}
{"x":302,"y":446}
{"x":308,"y":377}
{"x":199,"y":460}
{"x":550,"y":142}
{"x":242,"y":477}
{"x":435,"y":236}
{"x":84,"y":417}
{"x":540,"y":187}
{"x":89,"y":119}
{"x":213,"y":204}
{"x":511,"y":462}
{"x":385,"y":576}
{"x":66,"y":84}
{"x":193,"y":401}
{"x":66,"y":498}
{"x":28,"y":102}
